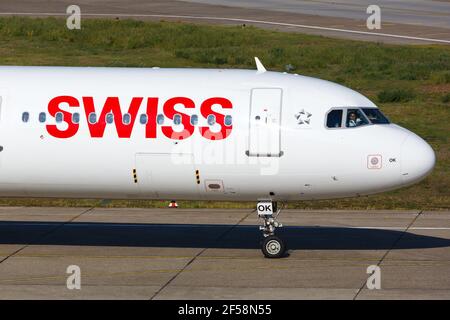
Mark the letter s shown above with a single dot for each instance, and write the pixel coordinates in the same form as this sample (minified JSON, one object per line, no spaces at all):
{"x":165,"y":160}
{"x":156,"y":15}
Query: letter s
{"x":206,"y":110}
{"x":170,"y":112}
{"x":53,"y":108}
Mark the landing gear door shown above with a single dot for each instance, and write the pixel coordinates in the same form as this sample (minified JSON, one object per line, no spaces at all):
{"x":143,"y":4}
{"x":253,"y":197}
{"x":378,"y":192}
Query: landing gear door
{"x":265,"y":121}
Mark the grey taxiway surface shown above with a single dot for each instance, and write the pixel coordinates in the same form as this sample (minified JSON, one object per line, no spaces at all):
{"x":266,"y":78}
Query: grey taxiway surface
{"x":403,"y":21}
{"x":420,"y":12}
{"x":214,"y":254}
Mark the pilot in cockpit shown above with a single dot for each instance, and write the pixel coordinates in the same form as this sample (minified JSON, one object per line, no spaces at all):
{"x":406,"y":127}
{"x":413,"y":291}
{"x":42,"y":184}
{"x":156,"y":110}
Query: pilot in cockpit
{"x":353,"y":120}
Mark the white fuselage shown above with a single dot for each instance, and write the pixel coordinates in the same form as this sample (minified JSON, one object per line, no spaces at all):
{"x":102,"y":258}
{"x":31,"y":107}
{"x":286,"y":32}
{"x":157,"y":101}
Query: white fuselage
{"x":225,"y":135}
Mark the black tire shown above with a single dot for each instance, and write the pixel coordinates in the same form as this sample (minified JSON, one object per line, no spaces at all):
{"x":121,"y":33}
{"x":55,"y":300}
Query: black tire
{"x":273,"y":247}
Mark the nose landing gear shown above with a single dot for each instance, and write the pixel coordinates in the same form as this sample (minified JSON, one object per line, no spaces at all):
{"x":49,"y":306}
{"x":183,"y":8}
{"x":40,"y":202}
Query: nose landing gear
{"x":271,"y":246}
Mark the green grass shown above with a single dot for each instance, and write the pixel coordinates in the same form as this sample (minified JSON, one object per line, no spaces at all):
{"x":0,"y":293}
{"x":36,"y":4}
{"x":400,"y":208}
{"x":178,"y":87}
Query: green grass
{"x":411,"y":84}
{"x":395,"y":95}
{"x":446,"y":98}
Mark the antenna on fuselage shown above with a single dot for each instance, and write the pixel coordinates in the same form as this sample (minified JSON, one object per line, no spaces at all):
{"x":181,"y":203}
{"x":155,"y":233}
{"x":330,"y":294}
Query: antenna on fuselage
{"x":259,"y":66}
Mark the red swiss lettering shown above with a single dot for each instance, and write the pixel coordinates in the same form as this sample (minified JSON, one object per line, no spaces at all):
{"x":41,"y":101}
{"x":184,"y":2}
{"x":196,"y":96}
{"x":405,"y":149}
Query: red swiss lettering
{"x":206,"y":110}
{"x":152,"y":110}
{"x":124,"y":130}
{"x":170,"y":112}
{"x":112,"y":105}
{"x":53,"y":108}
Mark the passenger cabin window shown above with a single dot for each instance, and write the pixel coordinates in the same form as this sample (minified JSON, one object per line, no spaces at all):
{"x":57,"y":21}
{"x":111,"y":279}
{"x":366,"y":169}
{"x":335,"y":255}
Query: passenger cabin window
{"x":76,"y":117}
{"x":59,"y":117}
{"x":355,"y":118}
{"x":160,"y":119}
{"x":211,"y":119}
{"x":375,"y":116}
{"x":143,"y":118}
{"x":25,"y":117}
{"x":334,"y":119}
{"x":42,"y":117}
{"x":109,"y":118}
{"x":194,"y":119}
{"x":92,"y":118}
{"x":228,"y":120}
{"x":177,"y":119}
{"x":126,"y":119}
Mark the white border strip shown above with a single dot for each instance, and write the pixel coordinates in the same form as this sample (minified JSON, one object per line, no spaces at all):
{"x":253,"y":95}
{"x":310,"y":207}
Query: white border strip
{"x":231,"y":19}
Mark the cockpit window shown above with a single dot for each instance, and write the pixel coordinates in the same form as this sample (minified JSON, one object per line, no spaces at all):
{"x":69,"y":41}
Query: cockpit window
{"x":351,"y":117}
{"x":334,"y":119}
{"x":375,"y":116}
{"x":355,"y":118}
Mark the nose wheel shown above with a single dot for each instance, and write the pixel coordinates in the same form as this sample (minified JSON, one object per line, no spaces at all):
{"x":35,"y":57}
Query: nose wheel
{"x":271,"y":246}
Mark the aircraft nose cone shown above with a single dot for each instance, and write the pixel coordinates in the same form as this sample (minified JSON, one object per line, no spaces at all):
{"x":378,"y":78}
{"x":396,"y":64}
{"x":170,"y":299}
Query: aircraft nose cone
{"x":418,"y":159}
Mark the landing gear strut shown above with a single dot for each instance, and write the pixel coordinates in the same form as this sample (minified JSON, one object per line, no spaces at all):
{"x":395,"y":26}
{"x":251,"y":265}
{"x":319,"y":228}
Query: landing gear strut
{"x":271,"y":246}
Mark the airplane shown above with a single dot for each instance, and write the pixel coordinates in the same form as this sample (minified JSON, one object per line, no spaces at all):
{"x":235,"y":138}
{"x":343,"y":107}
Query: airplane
{"x":198,"y":134}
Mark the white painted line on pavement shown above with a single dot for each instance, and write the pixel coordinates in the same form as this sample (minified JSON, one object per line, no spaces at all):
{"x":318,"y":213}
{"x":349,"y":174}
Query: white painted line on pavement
{"x":376,"y":34}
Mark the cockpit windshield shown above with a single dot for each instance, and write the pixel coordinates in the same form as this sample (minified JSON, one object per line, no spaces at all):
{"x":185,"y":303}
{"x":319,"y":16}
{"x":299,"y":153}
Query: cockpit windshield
{"x":355,"y":118}
{"x":375,"y":116}
{"x":349,"y":117}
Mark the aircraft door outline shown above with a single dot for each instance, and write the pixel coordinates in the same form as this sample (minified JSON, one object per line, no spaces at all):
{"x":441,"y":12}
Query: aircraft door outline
{"x":265,"y":122}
